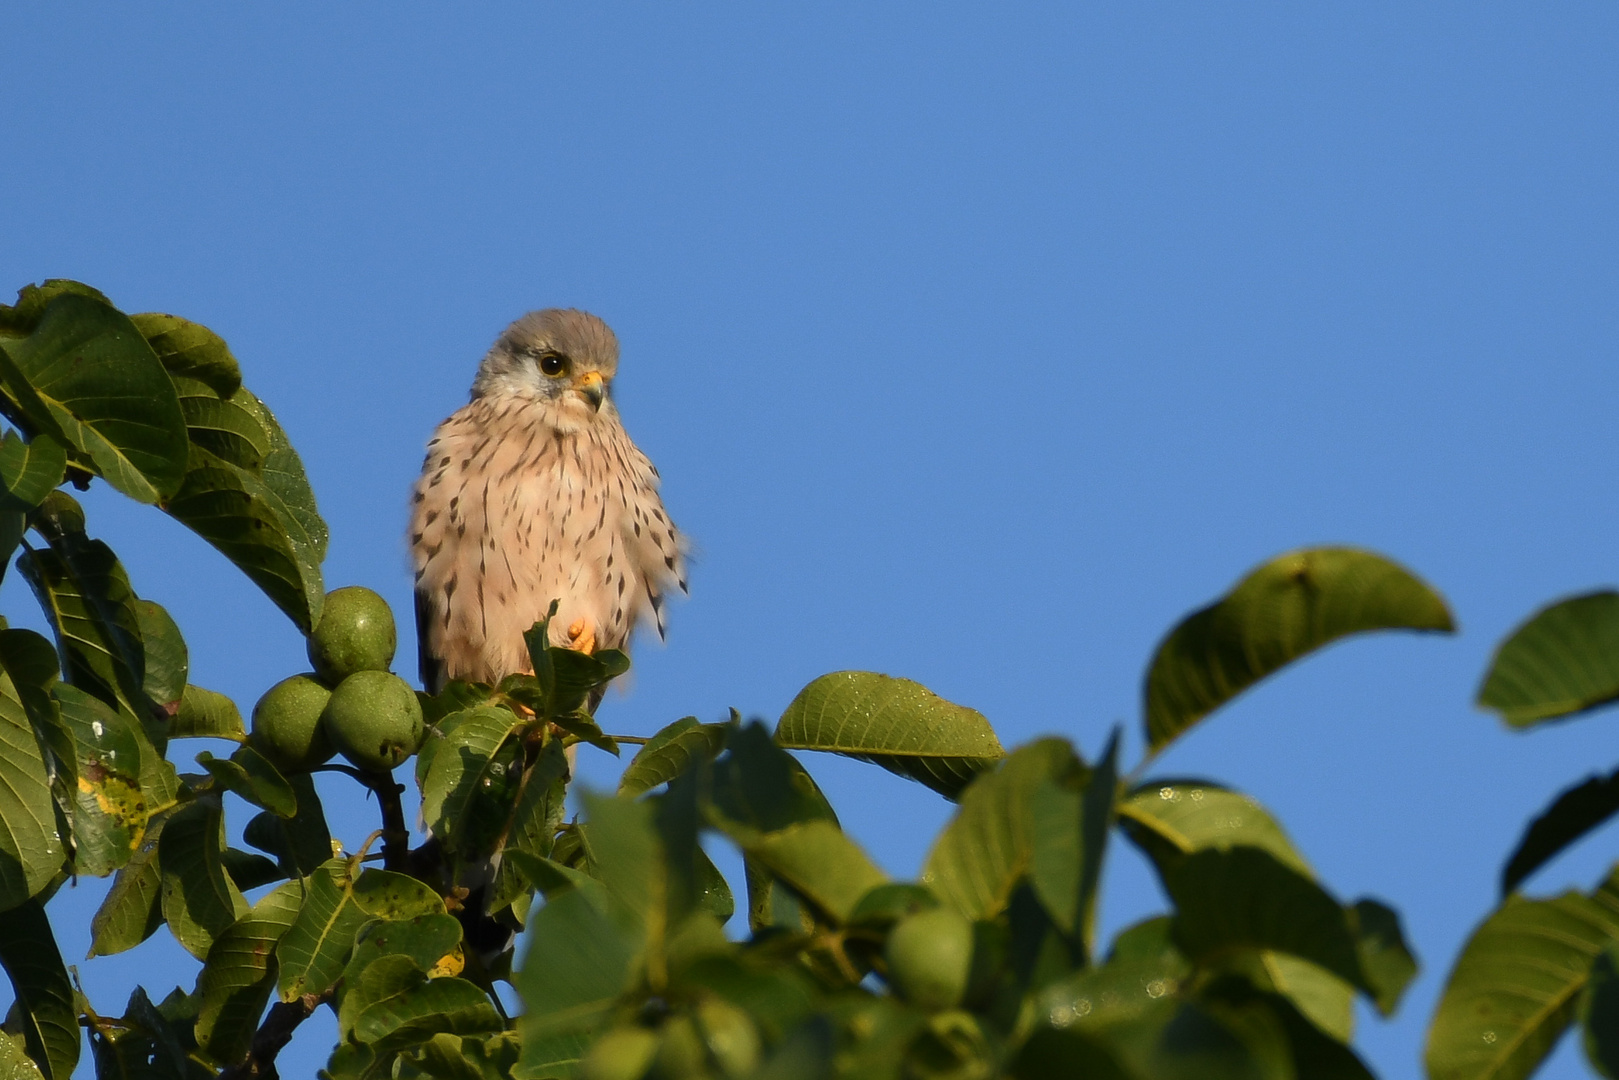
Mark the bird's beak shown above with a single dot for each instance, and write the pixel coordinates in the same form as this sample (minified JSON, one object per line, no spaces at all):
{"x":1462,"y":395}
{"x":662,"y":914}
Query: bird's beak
{"x":591,"y":386}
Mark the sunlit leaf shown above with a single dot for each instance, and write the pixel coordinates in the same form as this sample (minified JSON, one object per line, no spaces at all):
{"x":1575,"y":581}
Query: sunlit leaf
{"x":1173,"y":817}
{"x":1281,"y":611}
{"x":44,"y":997}
{"x":105,"y":391}
{"x":467,"y":791}
{"x":316,"y":947}
{"x":30,"y":470}
{"x":31,"y":852}
{"x":669,"y":753}
{"x":989,"y":844}
{"x":111,"y":806}
{"x":235,"y":983}
{"x":896,"y":723}
{"x":429,"y":1006}
{"x":577,"y":960}
{"x":1564,"y":660}
{"x":15,"y":1064}
{"x":204,"y":714}
{"x":1517,"y":984}
{"x":820,"y":862}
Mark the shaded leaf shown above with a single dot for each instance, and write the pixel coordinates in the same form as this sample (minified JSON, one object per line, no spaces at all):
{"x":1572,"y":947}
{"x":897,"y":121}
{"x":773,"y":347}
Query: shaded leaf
{"x":204,"y":714}
{"x":1516,"y":985}
{"x":1244,"y":898}
{"x":44,"y":997}
{"x":132,"y":909}
{"x":199,"y":899}
{"x":670,"y":753}
{"x":190,"y":349}
{"x":1385,"y":958}
{"x":1070,"y":830}
{"x":105,"y":392}
{"x":254,"y":777}
{"x":577,"y":960}
{"x":1281,"y":611}
{"x":248,"y":870}
{"x":237,"y":511}
{"x":1574,"y":812}
{"x":1599,"y":1013}
{"x":1563,"y":660}
{"x":164,"y":653}
{"x":896,"y":723}
{"x":430,"y":1006}
{"x":469,"y":784}
{"x":1166,"y":818}
{"x":300,"y":843}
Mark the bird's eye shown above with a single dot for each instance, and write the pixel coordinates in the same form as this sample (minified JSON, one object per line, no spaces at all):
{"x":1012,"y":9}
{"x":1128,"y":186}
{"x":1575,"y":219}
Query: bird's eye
{"x":553,"y":364}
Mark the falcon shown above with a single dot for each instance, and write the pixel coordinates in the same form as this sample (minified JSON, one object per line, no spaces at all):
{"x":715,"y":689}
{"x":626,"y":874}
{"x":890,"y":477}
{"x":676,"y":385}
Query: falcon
{"x":533,"y":493}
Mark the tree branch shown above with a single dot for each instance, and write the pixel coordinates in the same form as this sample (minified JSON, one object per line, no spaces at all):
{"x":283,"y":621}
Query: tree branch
{"x":273,"y":1034}
{"x":395,"y":833}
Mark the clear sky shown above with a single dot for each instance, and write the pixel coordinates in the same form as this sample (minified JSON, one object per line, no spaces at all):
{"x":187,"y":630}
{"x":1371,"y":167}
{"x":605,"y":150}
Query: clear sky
{"x":976,"y":344}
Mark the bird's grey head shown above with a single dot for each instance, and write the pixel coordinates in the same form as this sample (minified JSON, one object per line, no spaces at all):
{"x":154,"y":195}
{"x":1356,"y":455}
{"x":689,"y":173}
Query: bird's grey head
{"x":561,"y":355}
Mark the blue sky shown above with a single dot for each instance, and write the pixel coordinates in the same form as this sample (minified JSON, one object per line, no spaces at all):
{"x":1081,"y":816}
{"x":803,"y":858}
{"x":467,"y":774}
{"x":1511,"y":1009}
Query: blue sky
{"x":976,"y":344}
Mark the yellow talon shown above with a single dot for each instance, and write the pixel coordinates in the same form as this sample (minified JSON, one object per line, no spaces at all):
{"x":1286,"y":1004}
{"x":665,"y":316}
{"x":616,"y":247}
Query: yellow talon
{"x":581,"y":637}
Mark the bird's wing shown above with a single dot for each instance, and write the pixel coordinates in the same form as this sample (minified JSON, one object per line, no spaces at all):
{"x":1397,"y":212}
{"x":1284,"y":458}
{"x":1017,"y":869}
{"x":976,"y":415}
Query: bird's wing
{"x":430,"y":667}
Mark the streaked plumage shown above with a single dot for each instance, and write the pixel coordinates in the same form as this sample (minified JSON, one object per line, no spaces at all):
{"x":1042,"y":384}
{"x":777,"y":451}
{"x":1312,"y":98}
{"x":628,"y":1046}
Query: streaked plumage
{"x":533,"y":492}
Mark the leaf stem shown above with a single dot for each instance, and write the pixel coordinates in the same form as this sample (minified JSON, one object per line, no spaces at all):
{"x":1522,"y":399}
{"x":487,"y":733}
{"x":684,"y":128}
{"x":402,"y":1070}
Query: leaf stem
{"x":636,"y":740}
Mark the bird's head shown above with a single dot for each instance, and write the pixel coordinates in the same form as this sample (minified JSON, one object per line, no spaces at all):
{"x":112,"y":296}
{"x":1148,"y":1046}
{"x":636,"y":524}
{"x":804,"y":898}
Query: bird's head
{"x":562,"y":356}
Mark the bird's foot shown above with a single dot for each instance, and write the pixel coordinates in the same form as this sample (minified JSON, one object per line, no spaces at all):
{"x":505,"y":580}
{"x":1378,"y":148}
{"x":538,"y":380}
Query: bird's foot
{"x":581,"y":637}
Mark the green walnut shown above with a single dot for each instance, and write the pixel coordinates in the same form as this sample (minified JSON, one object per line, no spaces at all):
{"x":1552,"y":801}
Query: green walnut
{"x":374,"y":720}
{"x":621,"y":1054}
{"x":355,"y":633}
{"x":287,"y":727}
{"x":930,"y":957}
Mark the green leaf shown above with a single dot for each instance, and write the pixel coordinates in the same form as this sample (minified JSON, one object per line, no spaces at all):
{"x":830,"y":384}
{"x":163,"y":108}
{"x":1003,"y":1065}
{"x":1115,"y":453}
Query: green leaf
{"x":469,"y":784}
{"x":252,"y":776}
{"x":988,"y":846}
{"x":577,"y":961}
{"x":249,"y":522}
{"x":316,"y":947}
{"x":429,"y":1007}
{"x":383,"y":894}
{"x":1168,"y":818}
{"x":199,"y":899}
{"x":29,"y":471}
{"x":1385,"y":958}
{"x":165,"y":655}
{"x":1245,"y":898}
{"x":204,"y":714}
{"x":300,"y":843}
{"x":1517,"y":984}
{"x":15,"y":1064}
{"x":248,"y":869}
{"x":283,"y":473}
{"x":105,"y":390}
{"x":44,"y":997}
{"x":759,"y":785}
{"x":86,"y":595}
{"x":132,"y":910}
{"x":820,"y":862}
{"x":1572,"y":814}
{"x":227,"y":427}
{"x":235,"y":983}
{"x":1281,"y":611}
{"x":111,"y":804}
{"x":192,"y":350}
{"x":451,"y":1057}
{"x":1070,"y":831}
{"x":670,"y":753}
{"x":31,"y":850}
{"x":428,"y":941}
{"x":1564,"y":660}
{"x":144,"y":1043}
{"x":1599,"y":1013}
{"x":896,"y":723}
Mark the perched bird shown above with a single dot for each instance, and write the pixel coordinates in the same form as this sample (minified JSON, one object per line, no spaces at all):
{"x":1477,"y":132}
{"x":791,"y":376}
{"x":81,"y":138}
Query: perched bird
{"x":533,"y":492}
